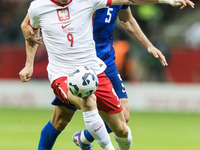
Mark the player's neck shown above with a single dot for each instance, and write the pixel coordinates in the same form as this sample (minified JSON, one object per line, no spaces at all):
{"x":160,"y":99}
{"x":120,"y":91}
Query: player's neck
{"x":63,"y":1}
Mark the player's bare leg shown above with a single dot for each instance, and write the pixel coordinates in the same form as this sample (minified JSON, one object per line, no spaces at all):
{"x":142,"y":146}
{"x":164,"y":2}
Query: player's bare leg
{"x":125,"y":106}
{"x":61,"y":117}
{"x":118,"y":125}
{"x":92,"y":120}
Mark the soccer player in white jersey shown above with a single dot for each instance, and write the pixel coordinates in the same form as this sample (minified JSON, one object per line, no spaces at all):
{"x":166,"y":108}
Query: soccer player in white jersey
{"x":67,"y":32}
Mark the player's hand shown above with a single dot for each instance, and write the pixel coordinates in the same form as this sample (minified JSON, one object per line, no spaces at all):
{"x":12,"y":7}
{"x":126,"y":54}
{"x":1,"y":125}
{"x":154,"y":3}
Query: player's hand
{"x":30,"y":36}
{"x":183,"y":3}
{"x":26,"y":73}
{"x":158,"y":54}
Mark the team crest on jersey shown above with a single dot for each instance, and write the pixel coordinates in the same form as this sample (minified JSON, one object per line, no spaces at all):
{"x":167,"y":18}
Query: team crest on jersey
{"x":63,"y":14}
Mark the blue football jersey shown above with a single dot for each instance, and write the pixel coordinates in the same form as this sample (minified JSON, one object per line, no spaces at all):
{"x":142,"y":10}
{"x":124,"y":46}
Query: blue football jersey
{"x":103,"y":25}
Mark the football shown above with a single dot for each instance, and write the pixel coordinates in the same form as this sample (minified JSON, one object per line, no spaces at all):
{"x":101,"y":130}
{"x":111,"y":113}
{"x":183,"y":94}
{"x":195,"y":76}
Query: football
{"x":82,"y":81}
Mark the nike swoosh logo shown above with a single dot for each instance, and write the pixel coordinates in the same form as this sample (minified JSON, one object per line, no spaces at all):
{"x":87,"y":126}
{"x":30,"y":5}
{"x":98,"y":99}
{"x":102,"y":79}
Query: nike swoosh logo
{"x":95,"y":130}
{"x":65,"y":25}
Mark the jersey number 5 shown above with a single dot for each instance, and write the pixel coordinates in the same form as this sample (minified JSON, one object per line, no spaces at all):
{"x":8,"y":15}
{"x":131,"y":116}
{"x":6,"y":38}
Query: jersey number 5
{"x":107,"y":20}
{"x":70,"y":38}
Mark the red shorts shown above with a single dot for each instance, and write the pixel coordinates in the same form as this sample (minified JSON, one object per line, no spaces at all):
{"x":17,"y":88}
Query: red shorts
{"x":107,"y":100}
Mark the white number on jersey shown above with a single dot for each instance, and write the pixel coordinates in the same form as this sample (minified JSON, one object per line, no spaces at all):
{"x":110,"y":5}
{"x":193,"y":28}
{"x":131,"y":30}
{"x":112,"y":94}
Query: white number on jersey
{"x":107,"y":20}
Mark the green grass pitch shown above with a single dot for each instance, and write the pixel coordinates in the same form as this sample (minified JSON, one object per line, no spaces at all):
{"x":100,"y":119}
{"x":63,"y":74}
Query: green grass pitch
{"x":20,"y":130}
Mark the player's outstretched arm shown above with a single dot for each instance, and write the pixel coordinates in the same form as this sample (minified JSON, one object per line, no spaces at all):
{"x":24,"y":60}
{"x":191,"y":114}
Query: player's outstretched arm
{"x":26,"y":73}
{"x":131,"y":26}
{"x":181,"y":3}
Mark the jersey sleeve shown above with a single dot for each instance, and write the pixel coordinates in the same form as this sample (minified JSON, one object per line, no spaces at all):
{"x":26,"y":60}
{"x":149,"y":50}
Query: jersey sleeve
{"x":100,"y":3}
{"x":34,"y":17}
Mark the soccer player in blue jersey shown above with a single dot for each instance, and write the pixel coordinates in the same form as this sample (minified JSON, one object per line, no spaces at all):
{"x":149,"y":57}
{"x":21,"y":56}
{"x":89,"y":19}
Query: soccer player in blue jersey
{"x":104,"y":22}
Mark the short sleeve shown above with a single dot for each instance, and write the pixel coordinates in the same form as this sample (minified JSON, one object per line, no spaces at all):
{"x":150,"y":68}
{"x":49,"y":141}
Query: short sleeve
{"x":34,"y":17}
{"x":100,"y":3}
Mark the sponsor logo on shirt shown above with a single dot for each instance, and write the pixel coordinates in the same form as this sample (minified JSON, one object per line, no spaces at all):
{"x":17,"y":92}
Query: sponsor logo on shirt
{"x":65,"y":25}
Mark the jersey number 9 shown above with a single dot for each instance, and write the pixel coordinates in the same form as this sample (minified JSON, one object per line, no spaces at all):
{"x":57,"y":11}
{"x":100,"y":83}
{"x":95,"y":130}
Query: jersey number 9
{"x":70,"y":38}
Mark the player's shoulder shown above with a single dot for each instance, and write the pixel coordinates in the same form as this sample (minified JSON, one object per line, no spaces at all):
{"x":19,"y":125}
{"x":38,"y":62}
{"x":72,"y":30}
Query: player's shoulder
{"x":36,"y":4}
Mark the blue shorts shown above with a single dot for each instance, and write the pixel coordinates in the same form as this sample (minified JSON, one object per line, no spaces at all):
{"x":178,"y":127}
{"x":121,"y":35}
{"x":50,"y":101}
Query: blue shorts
{"x":115,"y":78}
{"x":58,"y":102}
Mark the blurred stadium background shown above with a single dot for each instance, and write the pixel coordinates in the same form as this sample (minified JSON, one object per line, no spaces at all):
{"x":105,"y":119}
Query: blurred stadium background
{"x":164,"y":102}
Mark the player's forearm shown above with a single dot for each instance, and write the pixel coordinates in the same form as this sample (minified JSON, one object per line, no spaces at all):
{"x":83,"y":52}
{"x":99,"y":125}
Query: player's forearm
{"x":133,"y":29}
{"x":140,"y":2}
{"x":181,"y":3}
{"x":30,"y":53}
{"x":31,"y":47}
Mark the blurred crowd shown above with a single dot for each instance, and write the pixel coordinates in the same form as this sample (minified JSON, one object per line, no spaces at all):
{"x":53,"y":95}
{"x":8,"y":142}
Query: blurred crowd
{"x":12,"y":13}
{"x":165,"y":26}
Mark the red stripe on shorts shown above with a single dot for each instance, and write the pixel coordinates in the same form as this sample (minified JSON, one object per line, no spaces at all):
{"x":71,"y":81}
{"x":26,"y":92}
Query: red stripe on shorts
{"x":60,"y":88}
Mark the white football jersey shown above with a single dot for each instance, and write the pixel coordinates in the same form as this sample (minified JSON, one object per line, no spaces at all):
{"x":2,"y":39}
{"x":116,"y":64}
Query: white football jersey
{"x":68,"y":34}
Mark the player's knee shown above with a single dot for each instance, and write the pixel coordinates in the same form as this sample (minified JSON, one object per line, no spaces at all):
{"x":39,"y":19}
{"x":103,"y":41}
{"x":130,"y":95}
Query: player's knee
{"x":122,"y":131}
